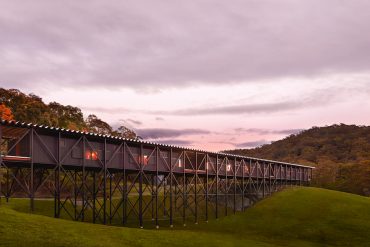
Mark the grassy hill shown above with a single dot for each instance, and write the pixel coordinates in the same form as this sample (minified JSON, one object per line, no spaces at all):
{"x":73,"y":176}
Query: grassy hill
{"x":294,"y":217}
{"x":341,"y":154}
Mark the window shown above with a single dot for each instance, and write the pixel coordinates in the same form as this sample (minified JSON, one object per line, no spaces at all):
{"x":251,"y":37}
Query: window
{"x":145,"y":159}
{"x":228,"y":167}
{"x":246,"y":170}
{"x":91,"y":155}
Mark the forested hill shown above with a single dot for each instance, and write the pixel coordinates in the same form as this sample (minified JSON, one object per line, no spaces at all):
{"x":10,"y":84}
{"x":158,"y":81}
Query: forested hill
{"x":30,"y":108}
{"x":340,"y":153}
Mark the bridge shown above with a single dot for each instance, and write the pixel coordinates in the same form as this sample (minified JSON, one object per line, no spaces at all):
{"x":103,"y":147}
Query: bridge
{"x":111,"y":180}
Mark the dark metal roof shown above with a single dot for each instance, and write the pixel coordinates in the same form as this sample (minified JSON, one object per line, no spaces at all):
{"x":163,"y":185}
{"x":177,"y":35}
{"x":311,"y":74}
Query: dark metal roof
{"x":56,"y":129}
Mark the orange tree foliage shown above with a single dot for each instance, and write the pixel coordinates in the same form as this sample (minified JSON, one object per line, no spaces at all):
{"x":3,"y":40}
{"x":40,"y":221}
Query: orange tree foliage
{"x":5,"y":113}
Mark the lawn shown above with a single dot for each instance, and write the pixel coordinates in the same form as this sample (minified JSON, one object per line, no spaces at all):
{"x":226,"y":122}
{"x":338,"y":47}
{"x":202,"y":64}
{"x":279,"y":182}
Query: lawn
{"x":293,"y":217}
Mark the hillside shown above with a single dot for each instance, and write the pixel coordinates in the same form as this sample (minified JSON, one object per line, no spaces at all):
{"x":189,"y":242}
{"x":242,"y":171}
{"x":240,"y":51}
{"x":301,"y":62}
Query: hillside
{"x":326,"y":218}
{"x":341,"y":154}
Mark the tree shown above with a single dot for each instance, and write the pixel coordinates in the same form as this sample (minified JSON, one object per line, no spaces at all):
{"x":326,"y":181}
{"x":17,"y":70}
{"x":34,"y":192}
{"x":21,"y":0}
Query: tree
{"x":96,"y":125}
{"x":68,"y":117}
{"x":125,"y":132}
{"x":25,"y":108}
{"x":31,"y":109}
{"x":5,"y":113}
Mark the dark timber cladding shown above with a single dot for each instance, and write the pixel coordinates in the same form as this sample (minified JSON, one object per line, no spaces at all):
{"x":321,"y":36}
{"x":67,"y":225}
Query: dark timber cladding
{"x":111,"y":180}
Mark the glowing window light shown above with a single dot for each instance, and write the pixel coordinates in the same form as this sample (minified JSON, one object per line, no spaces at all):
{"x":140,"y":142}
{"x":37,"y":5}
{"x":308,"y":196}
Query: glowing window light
{"x":145,"y":159}
{"x":94,"y":155}
{"x":228,"y":168}
{"x":91,"y":155}
{"x":246,"y":169}
{"x":88,"y":155}
{"x":180,"y":163}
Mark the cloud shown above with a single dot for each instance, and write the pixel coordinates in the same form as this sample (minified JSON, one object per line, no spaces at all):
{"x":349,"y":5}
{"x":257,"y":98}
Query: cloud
{"x":252,"y":108}
{"x":268,"y":131}
{"x":134,"y":122}
{"x":316,"y":98}
{"x":159,"y":133}
{"x":238,"y":109}
{"x":146,"y":44}
{"x":252,"y":144}
{"x":111,"y":110}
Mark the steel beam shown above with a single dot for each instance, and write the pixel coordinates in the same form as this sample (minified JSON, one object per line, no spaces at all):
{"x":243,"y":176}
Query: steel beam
{"x":32,"y":204}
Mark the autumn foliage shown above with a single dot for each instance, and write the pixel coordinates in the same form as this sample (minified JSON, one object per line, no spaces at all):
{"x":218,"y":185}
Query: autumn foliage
{"x":5,"y":113}
{"x":31,"y":109}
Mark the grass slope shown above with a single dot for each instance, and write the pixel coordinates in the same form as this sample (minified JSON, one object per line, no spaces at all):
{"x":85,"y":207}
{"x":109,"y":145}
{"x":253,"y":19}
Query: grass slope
{"x":294,"y":217}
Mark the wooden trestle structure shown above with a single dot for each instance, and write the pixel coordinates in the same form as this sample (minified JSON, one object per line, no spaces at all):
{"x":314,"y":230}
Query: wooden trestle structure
{"x":111,"y":180}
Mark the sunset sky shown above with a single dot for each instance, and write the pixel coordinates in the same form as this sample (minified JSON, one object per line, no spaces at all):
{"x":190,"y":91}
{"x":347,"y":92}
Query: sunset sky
{"x":204,"y":74}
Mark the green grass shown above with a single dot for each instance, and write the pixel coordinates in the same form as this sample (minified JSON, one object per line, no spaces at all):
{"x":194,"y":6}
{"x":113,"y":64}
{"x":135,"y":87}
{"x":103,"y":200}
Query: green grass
{"x":294,"y":217}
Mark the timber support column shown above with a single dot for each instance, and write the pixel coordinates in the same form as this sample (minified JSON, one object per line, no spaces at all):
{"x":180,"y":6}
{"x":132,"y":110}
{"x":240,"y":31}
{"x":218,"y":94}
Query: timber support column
{"x":124,"y":189}
{"x":57,"y":178}
{"x":184,"y":191}
{"x":171,"y":192}
{"x":156,"y":186}
{"x":196,"y":188}
{"x":217,"y":185}
{"x":234,"y":209}
{"x":207,"y":189}
{"x":226,"y":195}
{"x":105,"y":185}
{"x":242,"y":166}
{"x":94,"y":196}
{"x":141,"y":188}
{"x":32,"y":193}
{"x":263,"y":180}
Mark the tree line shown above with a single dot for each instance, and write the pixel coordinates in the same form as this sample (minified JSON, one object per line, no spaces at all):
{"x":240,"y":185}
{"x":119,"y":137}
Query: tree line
{"x":30,"y":108}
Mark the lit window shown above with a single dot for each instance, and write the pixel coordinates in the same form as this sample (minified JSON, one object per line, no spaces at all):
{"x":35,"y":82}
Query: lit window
{"x":180,"y":162}
{"x":88,"y":155}
{"x":91,"y":155}
{"x":246,"y":169}
{"x":94,"y":155}
{"x":145,"y":159}
{"x":228,"y":168}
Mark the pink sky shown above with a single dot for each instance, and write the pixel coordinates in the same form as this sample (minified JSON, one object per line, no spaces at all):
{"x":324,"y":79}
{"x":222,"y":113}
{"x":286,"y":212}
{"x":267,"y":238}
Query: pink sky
{"x":206,"y":74}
